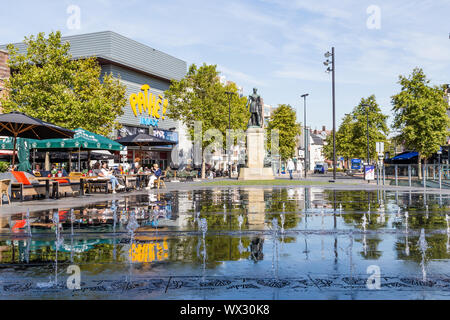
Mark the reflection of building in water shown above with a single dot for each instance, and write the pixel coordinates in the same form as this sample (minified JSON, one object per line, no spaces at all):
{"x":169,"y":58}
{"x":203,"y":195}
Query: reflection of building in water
{"x":256,"y":209}
{"x":149,"y":252}
{"x":185,"y":203}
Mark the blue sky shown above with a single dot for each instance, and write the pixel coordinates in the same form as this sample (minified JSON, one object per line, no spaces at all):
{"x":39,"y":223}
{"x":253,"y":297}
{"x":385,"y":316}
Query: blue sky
{"x":274,"y":45}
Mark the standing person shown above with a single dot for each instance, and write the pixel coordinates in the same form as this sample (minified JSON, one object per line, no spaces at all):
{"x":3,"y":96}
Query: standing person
{"x":290,"y":167}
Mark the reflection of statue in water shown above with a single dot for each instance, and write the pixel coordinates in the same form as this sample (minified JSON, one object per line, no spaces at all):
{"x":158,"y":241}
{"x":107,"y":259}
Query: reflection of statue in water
{"x":256,"y":248}
{"x":254,"y":100}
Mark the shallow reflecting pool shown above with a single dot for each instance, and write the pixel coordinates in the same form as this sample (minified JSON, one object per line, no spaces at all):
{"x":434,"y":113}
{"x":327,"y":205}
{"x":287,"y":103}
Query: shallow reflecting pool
{"x":266,"y":243}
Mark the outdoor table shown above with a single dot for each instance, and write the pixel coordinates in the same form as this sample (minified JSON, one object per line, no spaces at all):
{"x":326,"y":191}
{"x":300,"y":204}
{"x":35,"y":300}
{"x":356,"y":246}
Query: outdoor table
{"x":82,"y":182}
{"x":47,"y":184}
{"x":125,"y":178}
{"x":141,"y":177}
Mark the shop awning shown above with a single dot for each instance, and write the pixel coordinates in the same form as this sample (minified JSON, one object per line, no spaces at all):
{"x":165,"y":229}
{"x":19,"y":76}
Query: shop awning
{"x":83,"y":139}
{"x":405,"y":156}
{"x":142,"y":139}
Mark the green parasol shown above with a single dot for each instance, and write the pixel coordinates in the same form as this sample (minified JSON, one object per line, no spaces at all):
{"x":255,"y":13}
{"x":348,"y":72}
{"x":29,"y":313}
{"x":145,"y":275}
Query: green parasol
{"x":23,"y":154}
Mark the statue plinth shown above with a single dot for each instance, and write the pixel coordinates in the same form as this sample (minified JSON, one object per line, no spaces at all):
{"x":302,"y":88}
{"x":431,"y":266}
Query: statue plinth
{"x":255,"y":152}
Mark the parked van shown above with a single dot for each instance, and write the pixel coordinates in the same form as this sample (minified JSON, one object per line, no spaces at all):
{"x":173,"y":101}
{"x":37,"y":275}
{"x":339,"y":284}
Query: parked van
{"x":321,"y":168}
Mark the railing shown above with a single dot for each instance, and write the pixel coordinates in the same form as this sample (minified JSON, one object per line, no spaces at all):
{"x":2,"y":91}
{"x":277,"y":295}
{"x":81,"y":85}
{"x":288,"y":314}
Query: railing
{"x":432,"y":175}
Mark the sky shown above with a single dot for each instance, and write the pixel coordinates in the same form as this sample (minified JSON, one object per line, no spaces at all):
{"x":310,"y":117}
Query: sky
{"x":276,"y":46}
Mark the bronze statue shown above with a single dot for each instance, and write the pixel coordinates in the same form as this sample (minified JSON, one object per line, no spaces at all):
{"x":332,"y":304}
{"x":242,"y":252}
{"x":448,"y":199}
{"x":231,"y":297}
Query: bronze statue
{"x":255,"y":108}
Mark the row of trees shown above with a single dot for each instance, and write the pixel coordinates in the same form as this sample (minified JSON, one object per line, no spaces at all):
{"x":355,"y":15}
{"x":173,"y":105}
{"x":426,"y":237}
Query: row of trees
{"x":420,"y":118}
{"x":351,"y":137}
{"x":200,"y":96}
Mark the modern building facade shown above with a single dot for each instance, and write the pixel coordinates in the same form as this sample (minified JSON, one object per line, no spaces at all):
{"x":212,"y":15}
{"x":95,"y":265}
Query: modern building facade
{"x":144,"y":71}
{"x":4,"y":73}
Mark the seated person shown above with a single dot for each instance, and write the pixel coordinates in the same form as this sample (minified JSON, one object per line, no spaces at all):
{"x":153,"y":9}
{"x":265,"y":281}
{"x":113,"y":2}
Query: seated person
{"x":106,"y":173}
{"x":37,"y":170}
{"x":156,"y":174}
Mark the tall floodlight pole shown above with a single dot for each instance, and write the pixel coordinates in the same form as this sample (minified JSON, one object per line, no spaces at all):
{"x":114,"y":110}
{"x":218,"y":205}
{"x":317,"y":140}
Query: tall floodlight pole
{"x":305,"y":132}
{"x":230,"y":95}
{"x":368,"y":139}
{"x":332,"y":70}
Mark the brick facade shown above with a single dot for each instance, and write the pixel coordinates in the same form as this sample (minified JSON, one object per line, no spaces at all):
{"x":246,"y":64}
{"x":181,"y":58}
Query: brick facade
{"x":4,"y":72}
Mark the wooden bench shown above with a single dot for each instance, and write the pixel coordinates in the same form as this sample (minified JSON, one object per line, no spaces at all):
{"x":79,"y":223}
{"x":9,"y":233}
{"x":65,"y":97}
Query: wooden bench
{"x":20,"y":190}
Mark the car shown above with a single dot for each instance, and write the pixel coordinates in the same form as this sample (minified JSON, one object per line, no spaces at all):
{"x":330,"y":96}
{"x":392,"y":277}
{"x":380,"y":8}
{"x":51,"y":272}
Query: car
{"x":320,"y":168}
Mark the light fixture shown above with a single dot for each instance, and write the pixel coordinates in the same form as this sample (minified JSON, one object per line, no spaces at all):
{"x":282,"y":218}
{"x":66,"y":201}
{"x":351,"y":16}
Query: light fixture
{"x":328,"y":54}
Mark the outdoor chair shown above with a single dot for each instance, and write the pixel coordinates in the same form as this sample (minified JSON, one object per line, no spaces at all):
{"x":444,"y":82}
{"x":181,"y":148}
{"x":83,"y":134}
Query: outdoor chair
{"x":160,"y":180}
{"x":4,"y":186}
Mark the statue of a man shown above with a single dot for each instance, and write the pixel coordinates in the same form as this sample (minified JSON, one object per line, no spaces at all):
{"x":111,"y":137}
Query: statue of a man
{"x":254,"y":100}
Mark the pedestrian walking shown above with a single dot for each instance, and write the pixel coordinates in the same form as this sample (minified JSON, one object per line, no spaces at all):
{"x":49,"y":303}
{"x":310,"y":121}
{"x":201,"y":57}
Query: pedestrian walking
{"x":290,"y":167}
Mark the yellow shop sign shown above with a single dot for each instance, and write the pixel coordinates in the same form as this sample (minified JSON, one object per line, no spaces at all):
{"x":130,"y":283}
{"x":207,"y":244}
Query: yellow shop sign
{"x":148,"y":104}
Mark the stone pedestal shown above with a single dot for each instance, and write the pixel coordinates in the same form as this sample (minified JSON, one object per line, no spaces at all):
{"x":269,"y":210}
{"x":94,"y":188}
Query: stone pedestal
{"x":255,"y":152}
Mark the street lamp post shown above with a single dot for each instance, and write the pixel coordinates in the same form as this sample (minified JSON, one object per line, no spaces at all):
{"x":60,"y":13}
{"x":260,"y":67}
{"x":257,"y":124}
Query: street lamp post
{"x":305,"y":132}
{"x":230,"y":94}
{"x":332,"y":70}
{"x":368,"y":141}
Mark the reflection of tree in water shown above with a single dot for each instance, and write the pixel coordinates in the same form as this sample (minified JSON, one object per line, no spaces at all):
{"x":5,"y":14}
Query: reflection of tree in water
{"x":352,"y":200}
{"x":45,"y":253}
{"x":417,"y":219}
{"x":355,"y":200}
{"x":213,"y":201}
{"x":437,"y":248}
{"x":372,"y":252}
{"x":218,"y":249}
{"x":278,"y":202}
{"x":358,"y":201}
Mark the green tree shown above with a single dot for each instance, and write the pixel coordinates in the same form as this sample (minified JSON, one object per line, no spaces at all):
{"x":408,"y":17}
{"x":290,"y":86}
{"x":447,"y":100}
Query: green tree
{"x":378,"y":128}
{"x":200,"y":96}
{"x":351,"y":137}
{"x":48,"y":84}
{"x":283,"y":119}
{"x":344,"y":140}
{"x":420,"y":115}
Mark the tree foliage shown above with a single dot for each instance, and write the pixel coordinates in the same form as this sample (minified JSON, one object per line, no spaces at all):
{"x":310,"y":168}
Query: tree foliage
{"x":200,"y":96}
{"x":48,"y":84}
{"x":351,"y":137}
{"x":283,"y":119}
{"x":420,"y":114}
